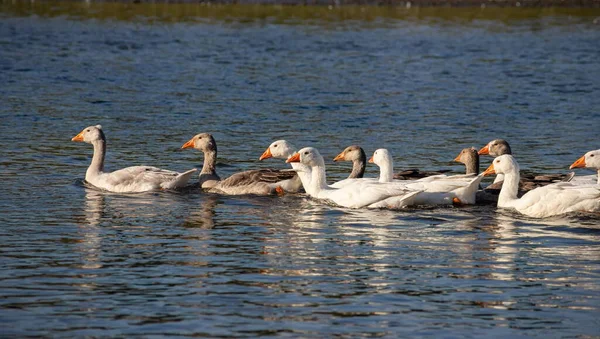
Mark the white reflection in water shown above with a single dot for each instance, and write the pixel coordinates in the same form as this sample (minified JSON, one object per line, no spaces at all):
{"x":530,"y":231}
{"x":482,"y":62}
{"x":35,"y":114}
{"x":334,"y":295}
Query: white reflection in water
{"x":504,"y":247}
{"x":90,"y":247}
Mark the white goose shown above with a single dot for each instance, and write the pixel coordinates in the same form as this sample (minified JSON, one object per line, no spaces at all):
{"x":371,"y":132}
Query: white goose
{"x":127,"y":180}
{"x":261,"y":182}
{"x":590,"y":160}
{"x":359,"y":194}
{"x":437,"y":189}
{"x":546,"y":201}
{"x":282,"y":149}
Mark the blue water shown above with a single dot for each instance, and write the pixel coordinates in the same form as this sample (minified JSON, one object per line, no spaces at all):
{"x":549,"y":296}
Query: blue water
{"x":78,"y":262}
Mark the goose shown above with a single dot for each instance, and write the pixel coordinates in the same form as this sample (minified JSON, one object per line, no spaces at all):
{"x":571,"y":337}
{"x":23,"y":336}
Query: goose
{"x":437,"y":189}
{"x":133,"y":179}
{"x":546,"y":201}
{"x":529,"y":181}
{"x":590,"y":160}
{"x":358,"y":157}
{"x":357,"y":195}
{"x":282,"y":149}
{"x":260,"y":182}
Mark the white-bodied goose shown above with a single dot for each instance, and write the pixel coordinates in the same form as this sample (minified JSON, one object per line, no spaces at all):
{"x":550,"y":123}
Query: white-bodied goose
{"x":437,"y":189}
{"x":127,"y":180}
{"x":546,"y":201}
{"x":361,"y":193}
{"x":261,"y":182}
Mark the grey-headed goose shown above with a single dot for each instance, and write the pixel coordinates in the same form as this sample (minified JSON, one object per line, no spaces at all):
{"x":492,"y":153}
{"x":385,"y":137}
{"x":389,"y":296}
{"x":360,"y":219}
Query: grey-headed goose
{"x":127,"y":180}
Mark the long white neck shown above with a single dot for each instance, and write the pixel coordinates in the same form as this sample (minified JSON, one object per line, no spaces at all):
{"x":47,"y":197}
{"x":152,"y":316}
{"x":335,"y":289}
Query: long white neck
{"x":599,"y":176}
{"x":510,"y":188}
{"x":386,"y":169}
{"x":318,"y":181}
{"x":97,"y":165}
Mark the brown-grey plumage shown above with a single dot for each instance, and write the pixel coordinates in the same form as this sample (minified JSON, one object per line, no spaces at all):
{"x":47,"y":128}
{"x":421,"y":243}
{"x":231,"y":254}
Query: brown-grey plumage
{"x":263,"y":181}
{"x":414,"y":174}
{"x":358,"y":157}
{"x":470,"y":158}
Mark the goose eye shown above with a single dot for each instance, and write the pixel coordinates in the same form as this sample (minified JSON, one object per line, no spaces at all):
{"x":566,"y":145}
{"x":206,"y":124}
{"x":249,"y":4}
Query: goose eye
{"x":591,"y":155}
{"x":87,"y":130}
{"x":274,"y":145}
{"x":305,"y":153}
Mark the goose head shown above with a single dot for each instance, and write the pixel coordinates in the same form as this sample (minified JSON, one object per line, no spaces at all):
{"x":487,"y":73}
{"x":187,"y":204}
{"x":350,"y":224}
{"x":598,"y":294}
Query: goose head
{"x":470,"y":158}
{"x":502,"y":165}
{"x":309,"y":156}
{"x":279,"y":149}
{"x":496,"y":148}
{"x":591,"y":160}
{"x":351,"y":153}
{"x":90,"y":134}
{"x":467,"y":155}
{"x":380,"y":157}
{"x":203,"y":142}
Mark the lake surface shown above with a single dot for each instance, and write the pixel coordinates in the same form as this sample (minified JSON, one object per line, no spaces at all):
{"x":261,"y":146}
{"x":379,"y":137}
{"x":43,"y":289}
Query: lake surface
{"x":424,"y":83}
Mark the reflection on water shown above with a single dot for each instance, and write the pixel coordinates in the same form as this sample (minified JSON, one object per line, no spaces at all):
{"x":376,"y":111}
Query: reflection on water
{"x":423,"y":83}
{"x":90,"y":246}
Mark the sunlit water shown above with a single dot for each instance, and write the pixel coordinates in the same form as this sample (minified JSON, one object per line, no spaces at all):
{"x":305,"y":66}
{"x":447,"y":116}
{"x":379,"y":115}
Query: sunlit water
{"x":78,"y":262}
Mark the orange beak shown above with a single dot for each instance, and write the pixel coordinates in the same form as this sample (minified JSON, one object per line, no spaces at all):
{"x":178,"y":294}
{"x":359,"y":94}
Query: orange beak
{"x":490,"y":170}
{"x":371,"y":160}
{"x":579,"y":163}
{"x":78,"y":137}
{"x":484,"y":151}
{"x":294,"y":158}
{"x":189,"y":144}
{"x":339,"y":157}
{"x":266,"y":154}
{"x":457,"y":159}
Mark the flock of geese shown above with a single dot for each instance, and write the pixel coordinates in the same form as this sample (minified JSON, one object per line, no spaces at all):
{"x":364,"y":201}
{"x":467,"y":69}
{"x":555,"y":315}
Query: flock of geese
{"x":535,"y":196}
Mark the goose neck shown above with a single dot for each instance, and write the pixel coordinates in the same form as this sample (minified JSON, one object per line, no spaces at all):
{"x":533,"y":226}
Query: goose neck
{"x":210,"y":161}
{"x":510,"y":188}
{"x":97,"y":165}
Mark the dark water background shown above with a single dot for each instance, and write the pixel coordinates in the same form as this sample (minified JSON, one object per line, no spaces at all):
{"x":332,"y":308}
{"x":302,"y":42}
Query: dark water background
{"x":424,"y":84}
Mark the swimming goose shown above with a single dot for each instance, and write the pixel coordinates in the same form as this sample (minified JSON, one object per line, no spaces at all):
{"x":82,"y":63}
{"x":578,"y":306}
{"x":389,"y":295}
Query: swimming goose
{"x":261,"y":182}
{"x":358,"y":157}
{"x":546,"y":201}
{"x":133,"y":179}
{"x":590,"y":160}
{"x":359,"y":194}
{"x":437,"y":189}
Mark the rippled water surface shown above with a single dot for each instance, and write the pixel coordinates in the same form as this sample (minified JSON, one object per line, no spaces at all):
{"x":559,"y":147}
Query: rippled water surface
{"x":424,"y":84}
